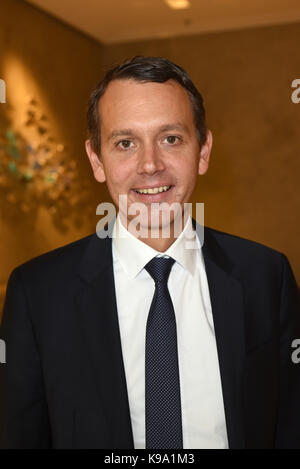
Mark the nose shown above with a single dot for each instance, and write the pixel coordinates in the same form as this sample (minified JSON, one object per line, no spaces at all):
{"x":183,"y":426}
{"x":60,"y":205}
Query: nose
{"x":150,"y":160}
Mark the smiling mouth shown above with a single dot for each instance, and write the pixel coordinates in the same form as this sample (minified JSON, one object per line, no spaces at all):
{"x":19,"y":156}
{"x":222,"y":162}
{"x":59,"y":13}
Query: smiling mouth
{"x":153,"y":190}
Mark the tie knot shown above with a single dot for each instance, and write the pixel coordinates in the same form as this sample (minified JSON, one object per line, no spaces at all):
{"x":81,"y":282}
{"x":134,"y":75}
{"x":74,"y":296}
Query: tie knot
{"x":159,"y":268}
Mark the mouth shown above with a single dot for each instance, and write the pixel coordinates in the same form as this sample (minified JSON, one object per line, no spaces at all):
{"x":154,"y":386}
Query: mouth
{"x":153,"y":194}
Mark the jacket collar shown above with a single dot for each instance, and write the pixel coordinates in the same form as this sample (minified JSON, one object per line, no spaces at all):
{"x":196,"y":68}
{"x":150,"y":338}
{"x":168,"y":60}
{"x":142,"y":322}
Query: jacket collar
{"x":98,"y":314}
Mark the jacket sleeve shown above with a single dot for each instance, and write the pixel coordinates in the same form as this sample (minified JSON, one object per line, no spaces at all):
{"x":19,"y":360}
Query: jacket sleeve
{"x":23,"y":410}
{"x":288,"y":423}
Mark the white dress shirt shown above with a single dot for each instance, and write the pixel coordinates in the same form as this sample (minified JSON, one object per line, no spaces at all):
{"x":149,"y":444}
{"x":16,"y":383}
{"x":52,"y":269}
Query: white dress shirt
{"x":203,"y":418}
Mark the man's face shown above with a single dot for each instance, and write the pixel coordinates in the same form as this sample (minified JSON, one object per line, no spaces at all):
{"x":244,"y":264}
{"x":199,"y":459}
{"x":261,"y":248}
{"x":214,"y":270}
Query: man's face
{"x":148,"y":141}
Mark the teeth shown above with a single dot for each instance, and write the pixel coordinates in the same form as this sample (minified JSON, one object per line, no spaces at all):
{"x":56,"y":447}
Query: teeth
{"x":156,"y":190}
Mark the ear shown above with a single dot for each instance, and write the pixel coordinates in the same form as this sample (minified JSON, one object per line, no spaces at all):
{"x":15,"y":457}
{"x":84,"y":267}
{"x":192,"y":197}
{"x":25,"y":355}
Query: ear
{"x":96,"y":164}
{"x":205,"y":154}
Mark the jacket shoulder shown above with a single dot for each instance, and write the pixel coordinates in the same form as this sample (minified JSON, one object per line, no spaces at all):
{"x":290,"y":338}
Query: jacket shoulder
{"x":239,"y":247}
{"x":57,"y":261}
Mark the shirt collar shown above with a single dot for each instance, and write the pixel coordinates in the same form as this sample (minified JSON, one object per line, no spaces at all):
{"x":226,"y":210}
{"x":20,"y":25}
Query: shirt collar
{"x":134,"y":254}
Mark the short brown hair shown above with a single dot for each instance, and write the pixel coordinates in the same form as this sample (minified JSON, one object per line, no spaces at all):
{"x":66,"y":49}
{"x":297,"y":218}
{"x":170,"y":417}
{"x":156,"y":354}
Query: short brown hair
{"x":145,"y":69}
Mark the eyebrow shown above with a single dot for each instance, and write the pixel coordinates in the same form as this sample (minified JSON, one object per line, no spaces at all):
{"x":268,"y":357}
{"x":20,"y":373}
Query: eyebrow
{"x":164,"y":128}
{"x":120,"y":133}
{"x":175,"y":126}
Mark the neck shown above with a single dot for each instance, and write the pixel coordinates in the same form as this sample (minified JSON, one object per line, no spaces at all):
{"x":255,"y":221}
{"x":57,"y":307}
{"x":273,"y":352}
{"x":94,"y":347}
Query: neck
{"x":156,"y":237}
{"x":159,"y":244}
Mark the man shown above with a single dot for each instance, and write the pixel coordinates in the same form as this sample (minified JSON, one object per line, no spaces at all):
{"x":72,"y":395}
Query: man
{"x":132,"y":340}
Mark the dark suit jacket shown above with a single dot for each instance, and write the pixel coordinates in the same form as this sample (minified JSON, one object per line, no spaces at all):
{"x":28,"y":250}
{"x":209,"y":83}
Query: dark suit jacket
{"x":64,"y":386}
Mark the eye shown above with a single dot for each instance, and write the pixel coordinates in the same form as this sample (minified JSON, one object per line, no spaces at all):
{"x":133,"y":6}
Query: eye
{"x":172,"y":139}
{"x":124,"y":144}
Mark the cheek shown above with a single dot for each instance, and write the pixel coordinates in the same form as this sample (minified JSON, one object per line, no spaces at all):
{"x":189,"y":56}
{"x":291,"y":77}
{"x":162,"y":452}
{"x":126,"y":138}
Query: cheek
{"x":118,"y":179}
{"x":188,"y":178}
{"x":187,"y":172}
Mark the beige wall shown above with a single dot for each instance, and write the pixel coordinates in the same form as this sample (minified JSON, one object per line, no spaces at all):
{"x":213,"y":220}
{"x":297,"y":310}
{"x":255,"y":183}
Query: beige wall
{"x":251,"y":188}
{"x":56,"y":65}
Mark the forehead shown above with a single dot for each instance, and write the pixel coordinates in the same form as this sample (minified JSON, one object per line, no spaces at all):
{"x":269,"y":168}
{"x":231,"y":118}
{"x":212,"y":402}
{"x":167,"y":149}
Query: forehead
{"x":137,"y":102}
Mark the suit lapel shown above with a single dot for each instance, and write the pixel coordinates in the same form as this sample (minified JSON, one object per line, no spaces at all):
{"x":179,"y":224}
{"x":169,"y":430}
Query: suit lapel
{"x":227,"y":308}
{"x":98,"y":315}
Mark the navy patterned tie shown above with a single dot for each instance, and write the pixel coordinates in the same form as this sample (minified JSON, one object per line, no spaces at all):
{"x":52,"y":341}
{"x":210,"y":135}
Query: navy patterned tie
{"x":162,"y":387}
